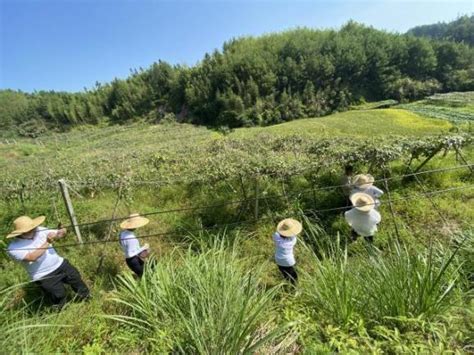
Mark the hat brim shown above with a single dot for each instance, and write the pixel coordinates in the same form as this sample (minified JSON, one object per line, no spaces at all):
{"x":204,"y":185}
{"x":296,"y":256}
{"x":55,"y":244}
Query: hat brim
{"x":364,"y":208}
{"x":295,"y":229}
{"x":35,"y":223}
{"x":136,"y":222}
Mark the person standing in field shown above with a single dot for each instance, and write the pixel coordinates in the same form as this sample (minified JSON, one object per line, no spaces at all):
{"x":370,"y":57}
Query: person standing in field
{"x":135,"y":255}
{"x":285,"y":240}
{"x":346,"y":183}
{"x":365,"y":183}
{"x":32,"y":247}
{"x":363,"y":218}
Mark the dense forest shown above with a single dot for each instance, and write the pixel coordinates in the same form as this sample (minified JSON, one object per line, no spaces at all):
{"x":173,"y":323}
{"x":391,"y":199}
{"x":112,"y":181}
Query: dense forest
{"x":259,"y":81}
{"x":460,"y":30}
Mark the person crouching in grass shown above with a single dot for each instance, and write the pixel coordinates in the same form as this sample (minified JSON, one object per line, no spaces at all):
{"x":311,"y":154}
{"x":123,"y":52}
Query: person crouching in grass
{"x":32,"y":247}
{"x":285,"y":240}
{"x":135,"y":255}
{"x":363,"y":218}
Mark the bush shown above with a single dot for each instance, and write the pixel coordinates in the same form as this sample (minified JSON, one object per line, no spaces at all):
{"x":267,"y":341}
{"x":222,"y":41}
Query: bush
{"x":207,"y":304}
{"x":383,"y":290}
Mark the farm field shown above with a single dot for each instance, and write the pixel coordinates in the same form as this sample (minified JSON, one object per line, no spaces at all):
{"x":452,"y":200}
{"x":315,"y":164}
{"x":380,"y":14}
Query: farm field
{"x":215,"y":288}
{"x":454,"y":107}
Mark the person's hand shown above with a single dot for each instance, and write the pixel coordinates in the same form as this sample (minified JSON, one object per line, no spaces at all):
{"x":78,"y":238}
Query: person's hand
{"x":144,"y":254}
{"x":51,"y":237}
{"x":61,"y":232}
{"x":146,"y":246}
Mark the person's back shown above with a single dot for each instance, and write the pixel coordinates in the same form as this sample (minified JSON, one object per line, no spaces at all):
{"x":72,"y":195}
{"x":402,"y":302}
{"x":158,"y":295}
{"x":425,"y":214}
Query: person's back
{"x":129,"y":243}
{"x":285,"y":239}
{"x":284,"y":250}
{"x":363,"y":223}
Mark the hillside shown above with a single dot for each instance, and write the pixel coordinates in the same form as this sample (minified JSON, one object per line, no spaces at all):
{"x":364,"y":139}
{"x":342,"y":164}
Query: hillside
{"x":213,"y":198}
{"x":460,"y":30}
{"x":257,"y":81}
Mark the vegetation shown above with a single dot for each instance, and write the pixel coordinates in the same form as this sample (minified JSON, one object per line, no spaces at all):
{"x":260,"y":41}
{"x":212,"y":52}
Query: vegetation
{"x":214,"y":197}
{"x":218,"y":290}
{"x":460,"y":30}
{"x":258,"y":81}
{"x":455,"y":107}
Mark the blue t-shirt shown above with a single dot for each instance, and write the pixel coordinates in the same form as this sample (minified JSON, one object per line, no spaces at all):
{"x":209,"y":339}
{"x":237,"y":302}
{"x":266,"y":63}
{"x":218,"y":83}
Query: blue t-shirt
{"x":284,"y":250}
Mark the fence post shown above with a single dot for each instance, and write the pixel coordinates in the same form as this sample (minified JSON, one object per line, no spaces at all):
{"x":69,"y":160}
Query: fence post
{"x":70,"y":208}
{"x":256,"y":198}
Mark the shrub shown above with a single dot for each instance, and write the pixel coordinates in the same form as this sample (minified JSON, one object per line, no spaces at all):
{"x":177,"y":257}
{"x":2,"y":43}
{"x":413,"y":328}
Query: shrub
{"x":207,"y":304}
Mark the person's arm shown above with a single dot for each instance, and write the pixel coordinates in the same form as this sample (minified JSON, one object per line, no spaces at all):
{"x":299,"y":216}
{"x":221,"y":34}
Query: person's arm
{"x":377,"y":191}
{"x":34,"y":255}
{"x":145,"y":253}
{"x":378,"y":217}
{"x":347,"y":218}
{"x":57,"y":234}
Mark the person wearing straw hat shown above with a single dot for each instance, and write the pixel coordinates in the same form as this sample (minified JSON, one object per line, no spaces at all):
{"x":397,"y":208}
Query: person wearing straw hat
{"x":363,"y":218}
{"x":134,"y":254}
{"x":365,"y":183}
{"x":32,"y":247}
{"x":285,"y":240}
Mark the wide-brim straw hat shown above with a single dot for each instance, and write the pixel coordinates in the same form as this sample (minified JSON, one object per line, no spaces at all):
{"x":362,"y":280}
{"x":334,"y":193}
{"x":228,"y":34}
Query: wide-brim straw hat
{"x":25,"y":224}
{"x":289,"y":227}
{"x":134,"y":221}
{"x":362,"y":201}
{"x":363,"y":181}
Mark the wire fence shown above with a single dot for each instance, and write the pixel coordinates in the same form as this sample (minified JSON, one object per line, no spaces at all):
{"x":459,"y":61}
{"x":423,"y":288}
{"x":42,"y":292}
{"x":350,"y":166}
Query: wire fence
{"x":225,"y":225}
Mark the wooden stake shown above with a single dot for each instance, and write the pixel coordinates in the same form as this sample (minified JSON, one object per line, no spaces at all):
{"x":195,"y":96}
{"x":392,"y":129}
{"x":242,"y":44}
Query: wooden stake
{"x":461,"y":156}
{"x":70,"y":209}
{"x":390,"y":205}
{"x":256,"y":198}
{"x":436,"y":151}
{"x":109,"y":232}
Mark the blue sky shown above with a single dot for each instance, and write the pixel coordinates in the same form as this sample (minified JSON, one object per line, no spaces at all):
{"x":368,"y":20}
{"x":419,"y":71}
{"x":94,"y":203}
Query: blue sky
{"x":71,"y":44}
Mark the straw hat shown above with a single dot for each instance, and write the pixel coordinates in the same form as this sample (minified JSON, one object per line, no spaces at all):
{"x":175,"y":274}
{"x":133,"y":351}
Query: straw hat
{"x":363,"y":181}
{"x":134,"y":221}
{"x":362,"y":201}
{"x":289,"y":227}
{"x":25,"y":224}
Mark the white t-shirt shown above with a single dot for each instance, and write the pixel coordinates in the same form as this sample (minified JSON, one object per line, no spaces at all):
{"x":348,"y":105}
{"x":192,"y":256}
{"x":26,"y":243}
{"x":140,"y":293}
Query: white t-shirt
{"x":364,"y":223}
{"x":373,"y":191}
{"x":130,"y":244}
{"x":45,"y":264}
{"x":284,"y":250}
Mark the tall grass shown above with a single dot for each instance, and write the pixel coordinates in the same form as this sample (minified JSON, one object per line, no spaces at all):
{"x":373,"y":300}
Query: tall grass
{"x":382,"y":288}
{"x":406,"y":284}
{"x":24,"y":331}
{"x":209,"y":303}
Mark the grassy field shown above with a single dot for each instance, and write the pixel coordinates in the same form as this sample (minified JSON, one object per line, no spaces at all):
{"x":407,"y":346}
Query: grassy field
{"x":217,"y":290}
{"x":369,"y":123}
{"x":455,"y":107}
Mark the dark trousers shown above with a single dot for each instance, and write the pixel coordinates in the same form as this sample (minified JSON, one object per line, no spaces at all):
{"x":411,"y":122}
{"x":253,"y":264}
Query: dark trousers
{"x":135,"y":263}
{"x":53,"y":284}
{"x":289,"y":273}
{"x":354,"y":236}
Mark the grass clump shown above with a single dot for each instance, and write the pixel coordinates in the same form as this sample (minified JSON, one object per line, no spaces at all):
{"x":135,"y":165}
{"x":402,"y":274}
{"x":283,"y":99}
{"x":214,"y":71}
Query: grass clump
{"x":209,"y":303}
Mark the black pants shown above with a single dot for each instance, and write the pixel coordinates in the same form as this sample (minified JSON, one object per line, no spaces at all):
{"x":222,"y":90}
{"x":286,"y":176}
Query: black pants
{"x":289,"y":273}
{"x":53,"y":284}
{"x":135,"y":263}
{"x":354,"y":237}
